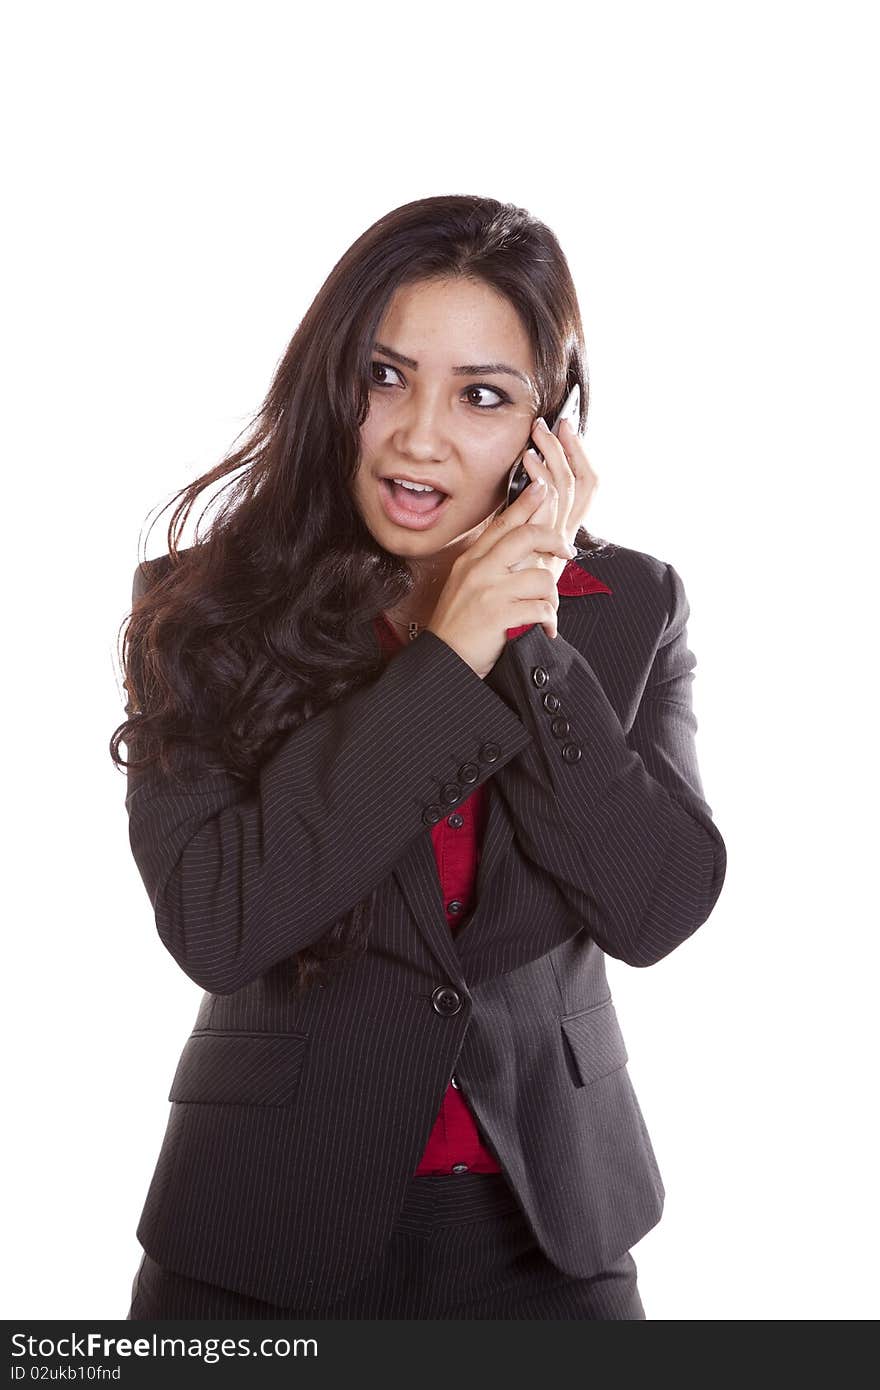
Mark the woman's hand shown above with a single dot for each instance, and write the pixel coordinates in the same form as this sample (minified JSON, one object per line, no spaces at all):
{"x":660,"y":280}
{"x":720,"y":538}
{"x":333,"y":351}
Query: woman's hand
{"x":571,"y":483}
{"x":481,"y":598}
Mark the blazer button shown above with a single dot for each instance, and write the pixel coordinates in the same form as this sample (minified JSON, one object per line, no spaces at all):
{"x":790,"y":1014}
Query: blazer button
{"x":453,"y":1082}
{"x":456,"y":820}
{"x":446,"y":1000}
{"x":571,"y":752}
{"x":459,"y":1168}
{"x":490,"y":752}
{"x":454,"y":906}
{"x":469,"y":772}
{"x":559,"y":726}
{"x":539,"y":676}
{"x":551,"y":702}
{"x":432,"y":814}
{"x":451,"y":793}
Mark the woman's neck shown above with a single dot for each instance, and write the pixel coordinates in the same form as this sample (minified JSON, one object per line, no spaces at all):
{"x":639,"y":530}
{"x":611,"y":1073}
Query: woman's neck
{"x":402,"y":618}
{"x":419,"y":604}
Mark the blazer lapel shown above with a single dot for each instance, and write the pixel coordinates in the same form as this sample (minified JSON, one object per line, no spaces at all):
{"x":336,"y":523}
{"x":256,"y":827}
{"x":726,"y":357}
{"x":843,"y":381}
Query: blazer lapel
{"x":419,"y":882}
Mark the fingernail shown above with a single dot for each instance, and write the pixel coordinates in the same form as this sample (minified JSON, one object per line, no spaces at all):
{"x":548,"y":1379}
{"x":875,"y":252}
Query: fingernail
{"x":543,"y":423}
{"x":572,"y":550}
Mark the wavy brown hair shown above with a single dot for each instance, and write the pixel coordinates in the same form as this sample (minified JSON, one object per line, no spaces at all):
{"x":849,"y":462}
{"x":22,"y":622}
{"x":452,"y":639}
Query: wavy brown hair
{"x":268,"y":617}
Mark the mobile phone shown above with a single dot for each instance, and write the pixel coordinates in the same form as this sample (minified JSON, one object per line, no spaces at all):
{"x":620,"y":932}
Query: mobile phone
{"x":519,"y":479}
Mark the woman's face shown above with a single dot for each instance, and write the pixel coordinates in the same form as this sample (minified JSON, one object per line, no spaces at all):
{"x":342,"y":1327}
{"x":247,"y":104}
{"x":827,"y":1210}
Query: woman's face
{"x":430,"y":421}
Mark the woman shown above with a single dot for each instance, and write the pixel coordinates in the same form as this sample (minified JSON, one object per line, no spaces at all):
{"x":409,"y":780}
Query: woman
{"x":402,"y":771}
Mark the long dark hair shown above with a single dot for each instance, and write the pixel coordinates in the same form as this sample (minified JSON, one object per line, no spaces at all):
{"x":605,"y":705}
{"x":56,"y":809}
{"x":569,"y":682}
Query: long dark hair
{"x":268,"y":617}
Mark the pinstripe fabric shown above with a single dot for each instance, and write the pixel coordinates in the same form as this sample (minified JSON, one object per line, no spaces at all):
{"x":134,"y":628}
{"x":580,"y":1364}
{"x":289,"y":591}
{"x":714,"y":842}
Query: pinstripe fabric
{"x":461,"y":1248}
{"x":296,"y":1125}
{"x":455,"y":1138}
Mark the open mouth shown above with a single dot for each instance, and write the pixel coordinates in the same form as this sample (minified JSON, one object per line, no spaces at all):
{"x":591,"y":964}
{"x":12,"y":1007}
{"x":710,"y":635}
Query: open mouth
{"x":418,"y":502}
{"x":405,"y":507}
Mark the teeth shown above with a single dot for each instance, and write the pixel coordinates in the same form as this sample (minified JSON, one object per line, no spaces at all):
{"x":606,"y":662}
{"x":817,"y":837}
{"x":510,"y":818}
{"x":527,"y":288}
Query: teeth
{"x":414,"y":487}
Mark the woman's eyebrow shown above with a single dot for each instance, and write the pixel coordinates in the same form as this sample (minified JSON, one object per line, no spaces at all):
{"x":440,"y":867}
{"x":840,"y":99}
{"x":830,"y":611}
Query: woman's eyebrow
{"x":469,"y":369}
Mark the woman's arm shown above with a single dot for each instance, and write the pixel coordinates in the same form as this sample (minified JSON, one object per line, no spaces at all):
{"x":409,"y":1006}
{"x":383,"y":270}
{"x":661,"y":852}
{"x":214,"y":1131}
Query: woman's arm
{"x":240,"y":881}
{"x":625,"y":831}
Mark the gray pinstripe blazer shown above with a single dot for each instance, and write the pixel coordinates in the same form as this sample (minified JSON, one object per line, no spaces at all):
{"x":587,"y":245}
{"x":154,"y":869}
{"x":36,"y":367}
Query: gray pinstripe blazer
{"x":296,"y":1125}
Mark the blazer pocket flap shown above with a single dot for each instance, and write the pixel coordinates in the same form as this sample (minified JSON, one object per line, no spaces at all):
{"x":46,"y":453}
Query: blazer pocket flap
{"x":239,"y":1068}
{"x":596,"y":1042}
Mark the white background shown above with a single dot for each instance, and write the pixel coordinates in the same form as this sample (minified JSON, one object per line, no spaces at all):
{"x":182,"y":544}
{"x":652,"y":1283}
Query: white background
{"x":180,"y":179}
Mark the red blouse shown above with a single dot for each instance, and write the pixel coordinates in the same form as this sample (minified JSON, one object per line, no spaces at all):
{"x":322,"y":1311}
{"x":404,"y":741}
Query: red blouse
{"x":455,"y":1144}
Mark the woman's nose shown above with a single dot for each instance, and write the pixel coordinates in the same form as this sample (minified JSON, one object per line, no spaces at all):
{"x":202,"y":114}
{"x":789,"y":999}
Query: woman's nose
{"x":424,"y":432}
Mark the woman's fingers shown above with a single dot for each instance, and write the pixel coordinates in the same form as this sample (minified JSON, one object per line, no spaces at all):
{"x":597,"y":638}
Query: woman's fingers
{"x":585,"y":479}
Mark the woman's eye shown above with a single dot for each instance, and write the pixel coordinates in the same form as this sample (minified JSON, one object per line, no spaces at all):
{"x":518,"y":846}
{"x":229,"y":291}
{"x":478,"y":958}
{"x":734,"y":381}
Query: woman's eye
{"x":383,"y":367}
{"x":469,"y":390}
{"x":502,"y":399}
